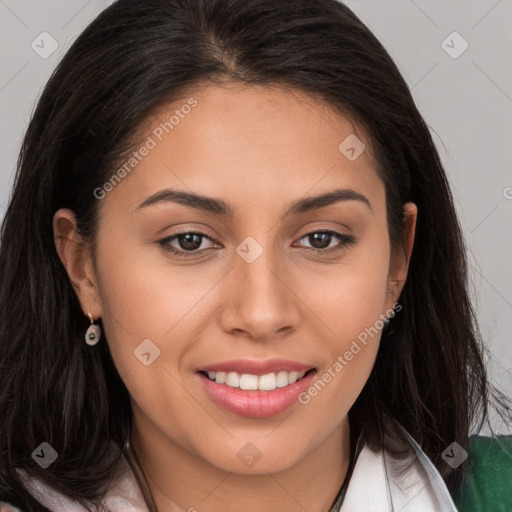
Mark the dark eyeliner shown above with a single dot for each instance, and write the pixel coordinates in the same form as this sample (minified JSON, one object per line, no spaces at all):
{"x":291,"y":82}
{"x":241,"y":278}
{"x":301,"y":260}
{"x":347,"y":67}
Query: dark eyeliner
{"x":345,"y":241}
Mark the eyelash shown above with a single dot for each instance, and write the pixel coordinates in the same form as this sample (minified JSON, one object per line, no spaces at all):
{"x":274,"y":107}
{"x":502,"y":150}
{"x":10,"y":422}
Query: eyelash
{"x":345,"y":241}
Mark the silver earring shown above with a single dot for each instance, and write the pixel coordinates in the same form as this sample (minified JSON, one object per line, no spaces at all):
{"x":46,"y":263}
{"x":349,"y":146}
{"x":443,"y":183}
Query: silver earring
{"x":93,"y":334}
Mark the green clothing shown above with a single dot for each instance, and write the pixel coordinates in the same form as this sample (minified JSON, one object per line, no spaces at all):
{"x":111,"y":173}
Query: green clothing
{"x":488,"y":484}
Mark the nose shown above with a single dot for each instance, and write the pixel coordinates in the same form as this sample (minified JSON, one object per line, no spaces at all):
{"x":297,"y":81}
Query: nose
{"x":261,"y":304}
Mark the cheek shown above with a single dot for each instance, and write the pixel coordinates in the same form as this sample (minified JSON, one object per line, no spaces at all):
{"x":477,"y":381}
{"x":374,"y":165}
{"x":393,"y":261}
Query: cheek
{"x":143,"y":293}
{"x":350,"y":311}
{"x":142,"y":302}
{"x":349,"y":304}
{"x":151,"y":320}
{"x":350,"y":297}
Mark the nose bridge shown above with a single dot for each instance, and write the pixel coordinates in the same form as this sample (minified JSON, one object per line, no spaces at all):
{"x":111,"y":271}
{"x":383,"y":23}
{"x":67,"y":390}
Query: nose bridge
{"x":263,"y":304}
{"x":256,"y":266}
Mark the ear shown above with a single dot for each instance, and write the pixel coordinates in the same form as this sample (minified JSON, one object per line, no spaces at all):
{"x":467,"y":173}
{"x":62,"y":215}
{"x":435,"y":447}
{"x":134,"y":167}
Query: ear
{"x":400,"y":256}
{"x":75,"y":255}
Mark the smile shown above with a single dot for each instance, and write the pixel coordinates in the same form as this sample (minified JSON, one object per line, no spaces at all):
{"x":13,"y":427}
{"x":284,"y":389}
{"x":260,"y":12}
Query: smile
{"x":255,"y":389}
{"x":247,"y":381}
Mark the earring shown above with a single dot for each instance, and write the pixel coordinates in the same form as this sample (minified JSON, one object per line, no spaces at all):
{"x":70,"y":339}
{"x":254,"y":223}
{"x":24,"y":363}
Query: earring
{"x":93,"y":334}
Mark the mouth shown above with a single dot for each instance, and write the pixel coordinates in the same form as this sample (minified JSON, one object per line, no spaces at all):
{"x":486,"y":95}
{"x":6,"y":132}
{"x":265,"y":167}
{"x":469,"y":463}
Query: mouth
{"x":256,"y":390}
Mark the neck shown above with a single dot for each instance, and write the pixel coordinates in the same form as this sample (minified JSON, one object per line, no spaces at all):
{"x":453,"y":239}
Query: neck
{"x":181,"y":481}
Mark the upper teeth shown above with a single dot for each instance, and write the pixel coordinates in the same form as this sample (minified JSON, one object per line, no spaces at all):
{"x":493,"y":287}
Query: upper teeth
{"x":247,"y":381}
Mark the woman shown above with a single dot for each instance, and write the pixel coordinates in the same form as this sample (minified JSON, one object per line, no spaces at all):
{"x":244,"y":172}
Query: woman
{"x":232,"y":274}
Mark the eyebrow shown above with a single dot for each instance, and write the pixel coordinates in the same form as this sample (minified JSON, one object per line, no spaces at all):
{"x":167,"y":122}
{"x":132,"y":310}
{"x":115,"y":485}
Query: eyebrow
{"x":226,"y":209}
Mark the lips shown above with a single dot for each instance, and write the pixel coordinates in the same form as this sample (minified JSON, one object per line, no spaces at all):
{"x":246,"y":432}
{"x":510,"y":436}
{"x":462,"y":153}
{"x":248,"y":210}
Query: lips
{"x":256,"y":389}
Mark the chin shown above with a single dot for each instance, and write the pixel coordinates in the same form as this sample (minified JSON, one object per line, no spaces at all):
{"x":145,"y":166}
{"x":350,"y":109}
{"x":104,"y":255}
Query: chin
{"x":257,"y":457}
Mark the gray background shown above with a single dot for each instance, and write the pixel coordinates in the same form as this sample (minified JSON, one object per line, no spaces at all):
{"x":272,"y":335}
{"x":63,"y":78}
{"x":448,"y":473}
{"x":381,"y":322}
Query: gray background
{"x":466,"y":101}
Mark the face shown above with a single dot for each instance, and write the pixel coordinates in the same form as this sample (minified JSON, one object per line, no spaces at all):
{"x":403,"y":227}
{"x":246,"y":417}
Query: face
{"x":253,"y":312}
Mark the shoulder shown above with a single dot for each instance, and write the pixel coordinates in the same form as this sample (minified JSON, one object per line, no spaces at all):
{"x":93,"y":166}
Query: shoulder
{"x":124,"y":494}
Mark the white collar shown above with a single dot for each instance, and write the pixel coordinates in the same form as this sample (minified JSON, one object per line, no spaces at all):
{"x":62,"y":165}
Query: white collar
{"x":377,"y":485}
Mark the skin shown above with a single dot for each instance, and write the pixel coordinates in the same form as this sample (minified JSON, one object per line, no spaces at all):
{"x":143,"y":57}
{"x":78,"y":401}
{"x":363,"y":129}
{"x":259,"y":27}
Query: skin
{"x":260,"y":149}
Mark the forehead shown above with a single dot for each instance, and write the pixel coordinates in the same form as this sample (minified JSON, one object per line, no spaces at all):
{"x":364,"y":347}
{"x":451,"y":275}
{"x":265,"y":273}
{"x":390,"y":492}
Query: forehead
{"x":251,"y":142}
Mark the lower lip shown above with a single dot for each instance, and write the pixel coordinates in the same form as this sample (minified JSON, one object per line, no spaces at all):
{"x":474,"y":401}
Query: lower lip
{"x":256,"y":404}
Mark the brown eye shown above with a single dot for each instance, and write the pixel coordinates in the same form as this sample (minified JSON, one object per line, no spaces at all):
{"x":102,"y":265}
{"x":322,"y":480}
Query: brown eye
{"x":185,"y":244}
{"x":189,"y":241}
{"x":321,"y":241}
